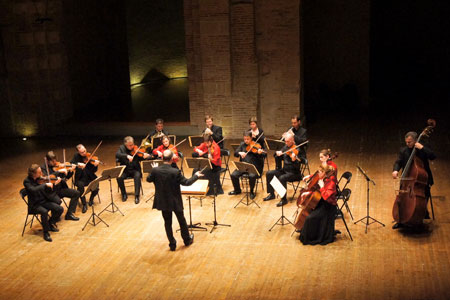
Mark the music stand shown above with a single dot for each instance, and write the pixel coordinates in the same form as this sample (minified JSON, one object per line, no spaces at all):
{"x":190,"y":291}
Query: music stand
{"x":109,"y":174}
{"x":93,"y":185}
{"x":146,"y":167}
{"x":248,"y":169}
{"x":195,"y":140}
{"x":235,"y":147}
{"x":274,"y":144}
{"x":198,"y":188}
{"x":199,"y":164}
{"x":156,"y":141}
{"x":214,"y":223}
{"x":277,"y":187}
{"x":368,"y":192}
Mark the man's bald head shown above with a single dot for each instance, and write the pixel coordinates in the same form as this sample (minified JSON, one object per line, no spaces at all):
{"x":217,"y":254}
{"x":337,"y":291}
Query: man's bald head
{"x":167,"y":155}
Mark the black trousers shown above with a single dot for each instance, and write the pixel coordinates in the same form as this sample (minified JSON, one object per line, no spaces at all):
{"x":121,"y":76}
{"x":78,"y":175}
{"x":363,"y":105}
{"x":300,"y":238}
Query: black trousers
{"x":282,"y":176}
{"x":167,"y":215}
{"x":235,"y":180}
{"x":213,"y":177}
{"x":80,"y":184}
{"x":43,"y":210}
{"x":66,"y":193}
{"x":136,"y":175}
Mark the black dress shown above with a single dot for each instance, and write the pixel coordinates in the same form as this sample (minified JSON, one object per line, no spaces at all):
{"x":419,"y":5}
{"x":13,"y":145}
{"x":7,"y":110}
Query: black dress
{"x":319,"y":225}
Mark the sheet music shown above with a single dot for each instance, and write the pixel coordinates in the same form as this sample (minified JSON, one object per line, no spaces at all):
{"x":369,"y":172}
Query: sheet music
{"x":278,"y":187}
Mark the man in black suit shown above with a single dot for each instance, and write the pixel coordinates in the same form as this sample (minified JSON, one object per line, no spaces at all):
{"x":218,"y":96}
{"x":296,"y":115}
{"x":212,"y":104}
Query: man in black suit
{"x":168,"y":199}
{"x":424,"y":153}
{"x":132,"y":167}
{"x":299,"y":137}
{"x":39,"y":202}
{"x":213,"y":130}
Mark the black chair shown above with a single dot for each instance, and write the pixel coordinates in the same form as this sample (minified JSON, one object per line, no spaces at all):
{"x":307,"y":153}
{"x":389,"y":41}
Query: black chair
{"x":23,"y":194}
{"x":225,"y":156}
{"x":348,"y":177}
{"x":296,"y":184}
{"x":345,"y":196}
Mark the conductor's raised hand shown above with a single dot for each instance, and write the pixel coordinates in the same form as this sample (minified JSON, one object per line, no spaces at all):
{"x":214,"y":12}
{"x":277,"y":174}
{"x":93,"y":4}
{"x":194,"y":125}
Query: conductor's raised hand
{"x":154,"y":165}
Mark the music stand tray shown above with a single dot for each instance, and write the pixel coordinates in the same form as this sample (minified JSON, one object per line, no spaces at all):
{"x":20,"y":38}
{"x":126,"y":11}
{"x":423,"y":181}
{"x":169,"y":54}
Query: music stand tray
{"x":195,"y":140}
{"x":274,"y":144}
{"x":93,"y":185}
{"x":109,"y":174}
{"x":198,"y":188}
{"x":246,"y":168}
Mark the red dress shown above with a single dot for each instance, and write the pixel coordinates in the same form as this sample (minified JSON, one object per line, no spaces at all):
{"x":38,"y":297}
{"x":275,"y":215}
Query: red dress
{"x":328,"y":192}
{"x":215,"y":152}
{"x":161,"y":149}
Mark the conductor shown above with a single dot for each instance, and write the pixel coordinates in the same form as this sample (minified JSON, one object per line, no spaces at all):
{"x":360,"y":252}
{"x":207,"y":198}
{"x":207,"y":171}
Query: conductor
{"x":168,"y":199}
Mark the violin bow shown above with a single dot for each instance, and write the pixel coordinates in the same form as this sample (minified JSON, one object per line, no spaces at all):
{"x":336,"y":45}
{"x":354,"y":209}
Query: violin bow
{"x":178,"y":144}
{"x":282,"y":138}
{"x":46,"y":167}
{"x":95,"y":150}
{"x":142,"y":143}
{"x":299,"y":145}
{"x":253,"y":145}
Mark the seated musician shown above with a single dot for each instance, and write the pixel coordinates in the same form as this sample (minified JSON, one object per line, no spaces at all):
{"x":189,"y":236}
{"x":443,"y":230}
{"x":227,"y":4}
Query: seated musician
{"x":158,"y":152}
{"x":299,"y":136}
{"x":257,"y":133}
{"x":62,"y":190}
{"x":125,"y":156}
{"x":326,"y":158}
{"x":84,"y":174}
{"x":319,"y":224}
{"x":254,"y":157}
{"x":209,"y":149}
{"x":39,"y":201}
{"x":425,"y":154}
{"x":289,"y":172}
{"x":213,"y":130}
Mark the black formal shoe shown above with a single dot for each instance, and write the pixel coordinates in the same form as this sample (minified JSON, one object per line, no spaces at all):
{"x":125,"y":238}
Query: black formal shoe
{"x":397,"y":226}
{"x":84,"y":209}
{"x":136,"y":199}
{"x":269,"y":197}
{"x":173,"y":247}
{"x":336,"y":232}
{"x":71,"y":217}
{"x":53,"y":228}
{"x":234,"y":193}
{"x":252,"y":196}
{"x":190,"y":241}
{"x":47,"y":237}
{"x":91,"y":202}
{"x":282,"y":202}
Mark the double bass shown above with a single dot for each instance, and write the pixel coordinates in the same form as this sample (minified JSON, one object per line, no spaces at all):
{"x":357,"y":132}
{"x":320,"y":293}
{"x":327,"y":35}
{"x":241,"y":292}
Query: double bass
{"x":410,"y":204}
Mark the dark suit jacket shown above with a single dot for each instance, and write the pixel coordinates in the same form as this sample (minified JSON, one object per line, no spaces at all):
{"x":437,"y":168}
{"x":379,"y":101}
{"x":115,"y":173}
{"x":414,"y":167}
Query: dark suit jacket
{"x":87,"y":173}
{"x":300,"y":137}
{"x":37,"y":193}
{"x":252,"y":158}
{"x":217,"y":135}
{"x":425,"y":154}
{"x":167,"y":182}
{"x":121,"y":156}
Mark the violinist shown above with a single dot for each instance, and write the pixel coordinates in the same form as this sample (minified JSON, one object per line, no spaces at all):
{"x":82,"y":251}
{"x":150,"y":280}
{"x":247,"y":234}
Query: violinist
{"x":39,"y":201}
{"x":257,"y":133}
{"x":213,"y":130}
{"x":249,"y":152}
{"x":211,"y":150}
{"x":129,"y":155}
{"x":299,"y":136}
{"x":319,"y":224}
{"x":61,"y":189}
{"x":84,"y":174}
{"x":290,"y":170}
{"x":424,"y":153}
{"x":158,"y":152}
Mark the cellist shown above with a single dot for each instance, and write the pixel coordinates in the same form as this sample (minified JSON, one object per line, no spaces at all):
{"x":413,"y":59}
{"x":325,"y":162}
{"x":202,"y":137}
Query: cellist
{"x":326,"y":158}
{"x":166,"y":146}
{"x":424,"y":153}
{"x":319,"y":224}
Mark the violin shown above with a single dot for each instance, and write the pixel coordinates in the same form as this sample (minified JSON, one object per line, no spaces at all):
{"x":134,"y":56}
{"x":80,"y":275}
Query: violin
{"x":47,"y":179}
{"x":66,"y":165}
{"x":91,"y":159}
{"x":139,"y":151}
{"x":294,"y":149}
{"x":253,"y":147}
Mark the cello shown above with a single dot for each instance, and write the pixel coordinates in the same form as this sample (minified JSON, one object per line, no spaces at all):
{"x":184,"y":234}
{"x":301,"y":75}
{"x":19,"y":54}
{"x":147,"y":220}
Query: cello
{"x":410,"y":204}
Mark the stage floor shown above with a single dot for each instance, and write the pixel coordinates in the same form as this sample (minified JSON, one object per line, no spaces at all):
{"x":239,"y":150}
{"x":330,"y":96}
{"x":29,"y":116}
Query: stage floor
{"x":130,"y":259}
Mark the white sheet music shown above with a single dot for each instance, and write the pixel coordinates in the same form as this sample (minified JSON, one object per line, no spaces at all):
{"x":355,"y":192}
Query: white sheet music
{"x":278,"y":187}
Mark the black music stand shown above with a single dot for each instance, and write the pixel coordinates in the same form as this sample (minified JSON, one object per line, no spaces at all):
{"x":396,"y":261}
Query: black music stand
{"x":93,"y":185}
{"x":281,"y":220}
{"x":109,"y":174}
{"x":368,"y":192}
{"x":198,"y":164}
{"x":274,"y":145}
{"x":246,"y":169}
{"x":195,"y":140}
{"x":146,"y":166}
{"x":214,"y":223}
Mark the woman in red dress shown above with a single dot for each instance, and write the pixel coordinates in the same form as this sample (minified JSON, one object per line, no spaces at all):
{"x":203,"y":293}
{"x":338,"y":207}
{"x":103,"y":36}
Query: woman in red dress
{"x":164,"y":146}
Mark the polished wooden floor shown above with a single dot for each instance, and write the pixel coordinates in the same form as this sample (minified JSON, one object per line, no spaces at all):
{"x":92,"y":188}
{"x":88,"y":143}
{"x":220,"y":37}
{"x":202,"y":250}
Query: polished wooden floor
{"x":130,"y":259}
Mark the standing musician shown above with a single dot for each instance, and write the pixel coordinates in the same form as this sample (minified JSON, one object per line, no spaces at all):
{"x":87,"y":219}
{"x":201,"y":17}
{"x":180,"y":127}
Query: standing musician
{"x":129,"y":155}
{"x":257,"y":133}
{"x":158,"y":152}
{"x":84,"y":174}
{"x":425,"y":154}
{"x":299,"y":136}
{"x":168,"y":199}
{"x":61,"y":190}
{"x":211,"y":150}
{"x":253,"y":155}
{"x":289,"y":172}
{"x":213,"y":130}
{"x":319,"y":224}
{"x":39,"y":201}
